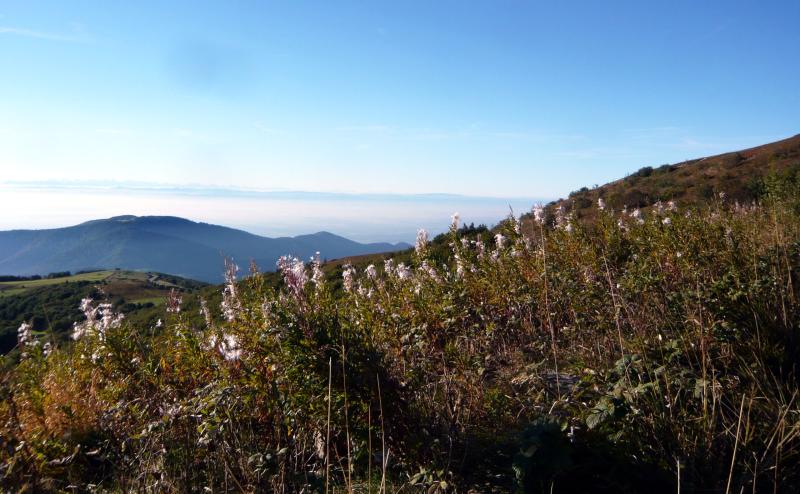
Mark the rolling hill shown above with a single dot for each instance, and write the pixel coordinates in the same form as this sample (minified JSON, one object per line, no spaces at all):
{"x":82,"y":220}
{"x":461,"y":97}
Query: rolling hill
{"x":51,"y":305}
{"x":161,"y":243}
{"x":738,"y":174}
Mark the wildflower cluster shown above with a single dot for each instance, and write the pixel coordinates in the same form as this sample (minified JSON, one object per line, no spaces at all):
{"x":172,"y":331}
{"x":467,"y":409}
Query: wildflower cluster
{"x":294,"y":275}
{"x":99,"y":319}
{"x":230,"y":301}
{"x":25,"y":339}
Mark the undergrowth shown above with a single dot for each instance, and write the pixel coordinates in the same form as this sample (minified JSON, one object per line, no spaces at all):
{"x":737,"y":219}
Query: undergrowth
{"x":652,"y":352}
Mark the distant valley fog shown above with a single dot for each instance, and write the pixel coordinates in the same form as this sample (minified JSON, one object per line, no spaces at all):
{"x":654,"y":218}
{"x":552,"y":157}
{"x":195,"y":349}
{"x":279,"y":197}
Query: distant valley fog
{"x":360,"y":217}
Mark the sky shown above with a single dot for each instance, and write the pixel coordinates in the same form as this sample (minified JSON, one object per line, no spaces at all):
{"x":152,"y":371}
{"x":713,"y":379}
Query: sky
{"x":290,"y":117}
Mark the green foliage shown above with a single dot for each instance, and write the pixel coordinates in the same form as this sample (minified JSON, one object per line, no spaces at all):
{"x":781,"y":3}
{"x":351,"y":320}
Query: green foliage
{"x":51,"y":303}
{"x":614,"y":356}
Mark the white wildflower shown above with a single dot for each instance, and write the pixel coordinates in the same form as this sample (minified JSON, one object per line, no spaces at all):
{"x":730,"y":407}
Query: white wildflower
{"x":109,"y":318}
{"x":372,"y":273}
{"x":348,"y":275}
{"x":294,"y":274}
{"x":230,"y":304}
{"x":538,"y":213}
{"x":430,"y":271}
{"x":205,"y":312}
{"x":25,"y":338}
{"x":459,"y":266}
{"x":422,"y":241}
{"x":666,"y":221}
{"x":24,"y":334}
{"x":388,"y":267}
{"x":93,"y":324}
{"x":454,"y":220}
{"x":601,"y":204}
{"x":228,"y":346}
{"x":500,"y":241}
{"x":481,"y":248}
{"x":317,"y":276}
{"x":403,"y":272}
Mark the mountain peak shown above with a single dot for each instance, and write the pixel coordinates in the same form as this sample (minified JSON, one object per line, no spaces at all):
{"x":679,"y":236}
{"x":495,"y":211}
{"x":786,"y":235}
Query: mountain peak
{"x":124,"y":218}
{"x":166,"y":244}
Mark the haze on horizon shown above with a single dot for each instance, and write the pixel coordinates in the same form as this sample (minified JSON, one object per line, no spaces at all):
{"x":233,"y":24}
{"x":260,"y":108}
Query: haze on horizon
{"x":495,"y":104}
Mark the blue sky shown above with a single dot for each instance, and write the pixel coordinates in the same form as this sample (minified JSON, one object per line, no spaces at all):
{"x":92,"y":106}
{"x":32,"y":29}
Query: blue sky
{"x":500,"y":99}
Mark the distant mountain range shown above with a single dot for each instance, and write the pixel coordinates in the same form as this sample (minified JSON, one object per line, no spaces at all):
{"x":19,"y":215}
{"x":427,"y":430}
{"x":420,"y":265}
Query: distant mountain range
{"x":164,"y":244}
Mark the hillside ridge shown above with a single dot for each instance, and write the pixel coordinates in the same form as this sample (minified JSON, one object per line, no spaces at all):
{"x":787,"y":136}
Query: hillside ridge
{"x":737,"y":174}
{"x":167,"y":244}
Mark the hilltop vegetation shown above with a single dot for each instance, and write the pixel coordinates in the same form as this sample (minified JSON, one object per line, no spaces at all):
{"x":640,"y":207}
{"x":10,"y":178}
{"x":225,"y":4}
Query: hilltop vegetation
{"x":649,"y":351}
{"x":739,"y":175}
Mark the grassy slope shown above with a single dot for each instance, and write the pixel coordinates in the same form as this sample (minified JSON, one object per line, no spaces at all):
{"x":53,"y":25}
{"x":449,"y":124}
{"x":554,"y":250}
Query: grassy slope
{"x":52,"y":304}
{"x":8,"y":288}
{"x":692,"y":183}
{"x":692,"y":334}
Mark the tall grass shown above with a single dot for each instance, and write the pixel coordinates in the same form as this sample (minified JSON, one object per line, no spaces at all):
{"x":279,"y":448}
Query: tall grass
{"x":656,"y":352}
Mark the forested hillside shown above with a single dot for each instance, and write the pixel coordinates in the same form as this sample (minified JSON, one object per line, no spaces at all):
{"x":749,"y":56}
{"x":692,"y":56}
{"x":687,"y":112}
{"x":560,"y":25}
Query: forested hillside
{"x":162,"y":244}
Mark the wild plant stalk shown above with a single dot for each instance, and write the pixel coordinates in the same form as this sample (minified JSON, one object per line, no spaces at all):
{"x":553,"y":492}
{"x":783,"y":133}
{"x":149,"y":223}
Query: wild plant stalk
{"x":347,"y":422}
{"x":328,"y":435}
{"x":735,"y":446}
{"x":549,"y":319}
{"x":384,"y":453}
{"x":369,"y":447}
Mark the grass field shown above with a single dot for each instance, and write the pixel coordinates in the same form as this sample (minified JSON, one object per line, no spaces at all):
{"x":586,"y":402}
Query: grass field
{"x":8,"y":288}
{"x":124,"y":283}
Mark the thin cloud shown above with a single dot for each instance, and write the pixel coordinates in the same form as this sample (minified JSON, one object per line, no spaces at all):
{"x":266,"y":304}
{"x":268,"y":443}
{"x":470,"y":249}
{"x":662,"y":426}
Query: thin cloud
{"x":31,"y":33}
{"x":118,"y":132}
{"x":472,"y":131}
{"x":266,"y":129}
{"x":365,"y":128}
{"x":233,"y":191}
